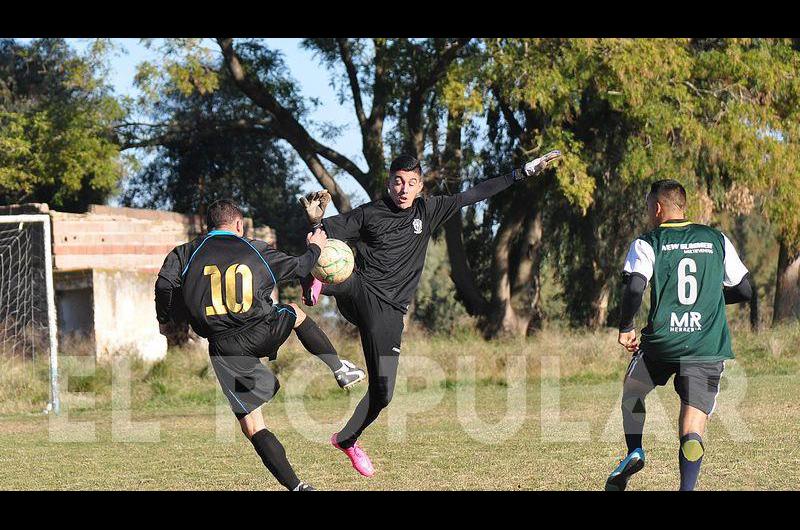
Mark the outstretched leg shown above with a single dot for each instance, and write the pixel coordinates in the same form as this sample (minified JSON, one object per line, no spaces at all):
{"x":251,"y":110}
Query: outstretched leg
{"x":317,"y":343}
{"x":381,"y":329}
{"x":634,"y":412}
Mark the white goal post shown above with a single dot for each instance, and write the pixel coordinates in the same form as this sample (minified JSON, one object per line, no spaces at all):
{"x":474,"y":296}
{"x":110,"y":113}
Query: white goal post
{"x":16,"y":335}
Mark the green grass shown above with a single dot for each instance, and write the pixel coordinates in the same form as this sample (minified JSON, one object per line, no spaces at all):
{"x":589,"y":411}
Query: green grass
{"x":454,"y":442}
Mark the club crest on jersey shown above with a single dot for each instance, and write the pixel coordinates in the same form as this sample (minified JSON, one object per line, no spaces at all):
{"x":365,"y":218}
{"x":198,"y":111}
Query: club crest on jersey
{"x":417,"y":226}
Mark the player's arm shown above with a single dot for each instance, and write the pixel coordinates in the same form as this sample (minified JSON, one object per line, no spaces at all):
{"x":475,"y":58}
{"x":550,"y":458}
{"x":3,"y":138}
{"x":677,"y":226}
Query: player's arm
{"x":286,"y":267}
{"x":168,"y":286}
{"x":493,"y":186}
{"x":637,"y":271}
{"x":442,"y":207}
{"x":736,"y":286}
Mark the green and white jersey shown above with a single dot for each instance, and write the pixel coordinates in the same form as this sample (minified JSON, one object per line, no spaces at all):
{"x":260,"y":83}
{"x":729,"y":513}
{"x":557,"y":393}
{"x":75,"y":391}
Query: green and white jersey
{"x":687,"y":265}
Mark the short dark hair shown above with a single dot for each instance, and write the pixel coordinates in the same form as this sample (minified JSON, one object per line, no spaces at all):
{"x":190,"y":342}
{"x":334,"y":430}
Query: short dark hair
{"x":405,"y":163}
{"x":222,"y":212}
{"x":669,"y":190}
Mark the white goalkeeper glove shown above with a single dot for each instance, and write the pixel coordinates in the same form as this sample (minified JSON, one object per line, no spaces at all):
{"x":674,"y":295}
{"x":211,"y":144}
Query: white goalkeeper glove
{"x":314,"y":205}
{"x":535,"y":167}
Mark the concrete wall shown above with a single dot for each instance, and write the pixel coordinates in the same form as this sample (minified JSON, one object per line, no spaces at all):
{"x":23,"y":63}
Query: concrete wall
{"x":125,"y":314}
{"x":111,"y":310}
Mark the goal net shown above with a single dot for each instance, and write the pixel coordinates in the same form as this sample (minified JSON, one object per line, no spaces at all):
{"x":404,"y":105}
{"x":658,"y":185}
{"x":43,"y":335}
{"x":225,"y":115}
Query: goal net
{"x":27,"y":309}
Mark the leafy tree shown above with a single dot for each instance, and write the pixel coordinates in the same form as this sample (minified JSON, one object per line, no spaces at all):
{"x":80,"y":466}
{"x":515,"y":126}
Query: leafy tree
{"x":207,"y":145}
{"x":719,"y":115}
{"x":626,"y":112}
{"x":56,"y":127}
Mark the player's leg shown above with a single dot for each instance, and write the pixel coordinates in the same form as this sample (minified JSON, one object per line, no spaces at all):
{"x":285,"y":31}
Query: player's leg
{"x":638,"y":383}
{"x":248,"y":384}
{"x":381,"y":334}
{"x":380,"y":339}
{"x":317,"y":343}
{"x":271,"y":451}
{"x":692,"y":427}
{"x":697,"y":384}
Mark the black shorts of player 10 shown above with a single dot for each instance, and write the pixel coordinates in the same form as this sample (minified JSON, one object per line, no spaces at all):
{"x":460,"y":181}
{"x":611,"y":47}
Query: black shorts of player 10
{"x":335,"y":263}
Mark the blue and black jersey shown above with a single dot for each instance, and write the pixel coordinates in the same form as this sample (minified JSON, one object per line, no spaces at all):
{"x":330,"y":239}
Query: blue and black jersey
{"x":220,"y":282}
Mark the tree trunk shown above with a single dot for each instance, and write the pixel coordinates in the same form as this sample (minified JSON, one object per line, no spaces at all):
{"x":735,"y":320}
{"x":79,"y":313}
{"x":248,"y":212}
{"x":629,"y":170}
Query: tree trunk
{"x":462,"y":276}
{"x":290,"y":129}
{"x":460,"y":272}
{"x":506,"y":320}
{"x":755,"y":316}
{"x":787,"y":285}
{"x":599,"y":306}
{"x":528,"y":272}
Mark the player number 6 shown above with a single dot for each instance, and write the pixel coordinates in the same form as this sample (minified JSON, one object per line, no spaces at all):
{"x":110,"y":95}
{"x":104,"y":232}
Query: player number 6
{"x":685,"y":279}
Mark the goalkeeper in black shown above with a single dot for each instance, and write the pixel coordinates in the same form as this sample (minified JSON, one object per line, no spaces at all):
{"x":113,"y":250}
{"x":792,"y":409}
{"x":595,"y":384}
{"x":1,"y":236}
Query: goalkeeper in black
{"x":391,"y":236}
{"x":221,"y":283}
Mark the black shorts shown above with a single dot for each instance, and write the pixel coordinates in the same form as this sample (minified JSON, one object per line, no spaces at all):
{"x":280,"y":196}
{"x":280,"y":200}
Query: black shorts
{"x":696,"y":383}
{"x":235,"y":357}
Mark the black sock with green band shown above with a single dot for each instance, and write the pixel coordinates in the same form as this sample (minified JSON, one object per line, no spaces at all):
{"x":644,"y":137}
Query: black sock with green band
{"x":690,"y":456}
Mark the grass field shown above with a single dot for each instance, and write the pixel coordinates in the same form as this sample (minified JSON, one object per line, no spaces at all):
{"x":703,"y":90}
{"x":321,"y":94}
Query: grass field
{"x":532,"y":414}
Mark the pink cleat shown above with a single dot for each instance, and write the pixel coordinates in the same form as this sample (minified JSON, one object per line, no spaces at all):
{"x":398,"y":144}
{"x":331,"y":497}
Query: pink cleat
{"x":357,"y":457}
{"x":312,"y":288}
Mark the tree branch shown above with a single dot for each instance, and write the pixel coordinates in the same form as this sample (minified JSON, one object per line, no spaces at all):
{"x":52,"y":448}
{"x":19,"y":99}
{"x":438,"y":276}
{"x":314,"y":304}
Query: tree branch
{"x":286,"y":125}
{"x":515,"y":129}
{"x":171,"y":133}
{"x":352,"y":75}
{"x":341,"y":161}
{"x":442,"y":63}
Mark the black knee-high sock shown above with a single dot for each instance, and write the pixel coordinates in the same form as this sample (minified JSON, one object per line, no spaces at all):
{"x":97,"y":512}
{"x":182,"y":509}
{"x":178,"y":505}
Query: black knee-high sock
{"x":273,"y":455}
{"x":633,"y":416}
{"x":690,"y":456}
{"x":317,"y":343}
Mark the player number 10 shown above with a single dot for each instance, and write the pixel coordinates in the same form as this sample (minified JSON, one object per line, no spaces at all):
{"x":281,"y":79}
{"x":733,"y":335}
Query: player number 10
{"x":218,"y":307}
{"x":686,"y":268}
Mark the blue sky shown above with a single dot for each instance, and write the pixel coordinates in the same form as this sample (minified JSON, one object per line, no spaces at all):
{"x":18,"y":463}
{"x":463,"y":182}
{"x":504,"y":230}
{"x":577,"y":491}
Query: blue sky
{"x":313,"y":79}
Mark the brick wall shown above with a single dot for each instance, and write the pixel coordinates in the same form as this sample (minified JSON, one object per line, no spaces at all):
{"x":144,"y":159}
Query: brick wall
{"x":125,"y":238}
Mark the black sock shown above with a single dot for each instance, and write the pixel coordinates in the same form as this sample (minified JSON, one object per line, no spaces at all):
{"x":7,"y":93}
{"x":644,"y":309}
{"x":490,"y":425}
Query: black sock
{"x":690,"y":456}
{"x":633,"y":441}
{"x":273,"y":455}
{"x":317,"y":343}
{"x":633,"y":416}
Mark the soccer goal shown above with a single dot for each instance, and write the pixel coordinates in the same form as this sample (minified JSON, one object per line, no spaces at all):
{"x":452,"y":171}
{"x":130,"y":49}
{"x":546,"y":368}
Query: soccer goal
{"x":27,"y":297}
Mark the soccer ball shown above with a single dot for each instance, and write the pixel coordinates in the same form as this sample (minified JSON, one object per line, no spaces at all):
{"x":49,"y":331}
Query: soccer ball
{"x":335,"y":263}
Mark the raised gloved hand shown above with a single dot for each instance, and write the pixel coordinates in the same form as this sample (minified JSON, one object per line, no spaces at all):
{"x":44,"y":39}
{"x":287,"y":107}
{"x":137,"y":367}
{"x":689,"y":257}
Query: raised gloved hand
{"x":315,"y":204}
{"x":538,"y":165}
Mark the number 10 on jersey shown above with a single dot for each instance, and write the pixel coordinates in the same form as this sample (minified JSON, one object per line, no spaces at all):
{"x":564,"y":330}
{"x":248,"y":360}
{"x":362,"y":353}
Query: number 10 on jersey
{"x":220,"y":307}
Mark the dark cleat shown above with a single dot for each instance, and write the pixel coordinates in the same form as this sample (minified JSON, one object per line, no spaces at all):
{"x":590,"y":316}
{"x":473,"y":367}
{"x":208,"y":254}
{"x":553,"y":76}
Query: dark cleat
{"x":349,"y":374}
{"x":633,"y":463}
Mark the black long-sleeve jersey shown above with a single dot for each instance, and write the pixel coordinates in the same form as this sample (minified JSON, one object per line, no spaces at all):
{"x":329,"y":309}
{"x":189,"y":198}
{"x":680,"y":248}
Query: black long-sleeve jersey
{"x":391,"y":242}
{"x":219,"y":282}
